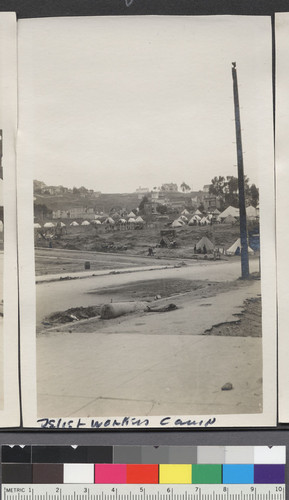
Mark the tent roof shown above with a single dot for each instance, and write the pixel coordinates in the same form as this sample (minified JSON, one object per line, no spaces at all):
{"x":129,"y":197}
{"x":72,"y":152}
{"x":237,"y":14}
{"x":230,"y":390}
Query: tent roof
{"x":230,"y":211}
{"x":49,"y":224}
{"x":251,"y":211}
{"x":74,"y":223}
{"x":177,"y":223}
{"x":109,"y":220}
{"x":205,"y":241}
{"x":233,"y":248}
{"x":230,"y":218}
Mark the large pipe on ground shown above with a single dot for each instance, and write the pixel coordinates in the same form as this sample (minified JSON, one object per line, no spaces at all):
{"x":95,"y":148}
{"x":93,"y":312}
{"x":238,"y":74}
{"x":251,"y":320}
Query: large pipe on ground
{"x":113,"y":310}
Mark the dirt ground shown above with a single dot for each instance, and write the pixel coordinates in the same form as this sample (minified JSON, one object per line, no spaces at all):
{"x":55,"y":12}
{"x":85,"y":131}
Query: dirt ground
{"x":137,"y":242}
{"x":151,"y":290}
{"x":247,"y":324}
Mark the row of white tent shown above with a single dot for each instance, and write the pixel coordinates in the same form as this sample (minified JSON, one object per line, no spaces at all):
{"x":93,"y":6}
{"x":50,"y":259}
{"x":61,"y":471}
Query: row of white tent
{"x":205,"y":241}
{"x":108,"y":220}
{"x":196,"y":219}
{"x":229,"y":215}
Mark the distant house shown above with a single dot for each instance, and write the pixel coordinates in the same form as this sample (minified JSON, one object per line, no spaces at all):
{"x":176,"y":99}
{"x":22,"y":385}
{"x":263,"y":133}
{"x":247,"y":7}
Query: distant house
{"x":74,"y":213}
{"x":54,"y":190}
{"x":206,"y":188}
{"x":169,"y":187}
{"x":211,"y":202}
{"x":142,"y":190}
{"x":155,"y":195}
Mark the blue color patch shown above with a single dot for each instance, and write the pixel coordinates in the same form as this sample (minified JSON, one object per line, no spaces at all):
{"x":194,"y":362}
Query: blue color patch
{"x":238,"y":474}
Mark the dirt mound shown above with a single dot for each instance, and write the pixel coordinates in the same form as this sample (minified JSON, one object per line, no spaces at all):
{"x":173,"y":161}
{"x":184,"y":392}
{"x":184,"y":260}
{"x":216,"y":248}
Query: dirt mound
{"x":70,"y":315}
{"x":248,"y":324}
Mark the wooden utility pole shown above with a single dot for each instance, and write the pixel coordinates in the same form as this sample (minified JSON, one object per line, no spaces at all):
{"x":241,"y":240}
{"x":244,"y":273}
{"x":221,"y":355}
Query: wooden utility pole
{"x":241,"y":184}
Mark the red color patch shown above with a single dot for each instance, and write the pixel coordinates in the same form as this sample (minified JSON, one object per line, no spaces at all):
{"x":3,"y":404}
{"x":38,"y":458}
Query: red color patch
{"x":142,"y":474}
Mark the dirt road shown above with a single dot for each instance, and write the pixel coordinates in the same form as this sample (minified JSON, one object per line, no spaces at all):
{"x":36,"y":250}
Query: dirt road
{"x":61,"y":295}
{"x":51,"y":260}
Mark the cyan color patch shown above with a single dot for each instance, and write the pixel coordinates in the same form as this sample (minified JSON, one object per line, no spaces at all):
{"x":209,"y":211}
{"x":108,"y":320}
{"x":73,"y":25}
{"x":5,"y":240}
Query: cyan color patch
{"x":238,"y":474}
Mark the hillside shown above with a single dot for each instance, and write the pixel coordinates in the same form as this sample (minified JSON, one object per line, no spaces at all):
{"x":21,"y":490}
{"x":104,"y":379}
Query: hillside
{"x":104,"y":203}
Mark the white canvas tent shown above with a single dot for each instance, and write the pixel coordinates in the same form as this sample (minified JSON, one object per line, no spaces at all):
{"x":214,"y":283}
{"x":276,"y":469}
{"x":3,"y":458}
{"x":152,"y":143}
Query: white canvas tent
{"x":49,"y":224}
{"x":85,"y":223}
{"x":237,"y":245}
{"x":230,"y":211}
{"x":194,"y":219}
{"x":74,"y":223}
{"x":177,"y":223}
{"x":139,"y":219}
{"x":185,"y":212}
{"x":131,"y":214}
{"x":109,"y":220}
{"x":229,"y":220}
{"x":251,"y":212}
{"x":204,"y":221}
{"x":36,"y":225}
{"x":204,"y":241}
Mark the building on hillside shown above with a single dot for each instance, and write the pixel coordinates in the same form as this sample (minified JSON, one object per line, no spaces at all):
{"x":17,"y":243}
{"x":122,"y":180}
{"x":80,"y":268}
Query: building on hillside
{"x":74,"y":213}
{"x":211,"y":202}
{"x":54,"y":190}
{"x":141,"y":190}
{"x":170,"y":187}
{"x":60,"y":214}
{"x":206,"y":188}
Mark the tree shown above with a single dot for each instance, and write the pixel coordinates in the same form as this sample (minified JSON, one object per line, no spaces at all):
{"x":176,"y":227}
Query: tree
{"x":217,"y":186}
{"x":142,"y":204}
{"x":161,"y":209}
{"x":254,"y":195}
{"x":185,"y":187}
{"x":41,"y":211}
{"x":227,"y":190}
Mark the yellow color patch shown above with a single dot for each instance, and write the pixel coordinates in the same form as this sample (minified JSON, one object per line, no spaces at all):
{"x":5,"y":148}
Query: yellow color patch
{"x":175,"y":474}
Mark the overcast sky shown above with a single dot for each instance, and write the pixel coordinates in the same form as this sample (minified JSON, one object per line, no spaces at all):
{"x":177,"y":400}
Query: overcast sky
{"x":116,"y":103}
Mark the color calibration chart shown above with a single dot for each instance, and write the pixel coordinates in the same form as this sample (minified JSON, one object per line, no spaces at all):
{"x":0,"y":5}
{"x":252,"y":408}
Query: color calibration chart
{"x":143,"y":472}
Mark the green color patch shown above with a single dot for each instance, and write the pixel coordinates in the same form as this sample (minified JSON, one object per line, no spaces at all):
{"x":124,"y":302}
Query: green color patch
{"x":207,"y":474}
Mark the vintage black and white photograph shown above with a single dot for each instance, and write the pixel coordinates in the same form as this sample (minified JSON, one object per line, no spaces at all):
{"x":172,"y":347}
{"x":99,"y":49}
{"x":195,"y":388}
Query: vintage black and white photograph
{"x":148,"y":146}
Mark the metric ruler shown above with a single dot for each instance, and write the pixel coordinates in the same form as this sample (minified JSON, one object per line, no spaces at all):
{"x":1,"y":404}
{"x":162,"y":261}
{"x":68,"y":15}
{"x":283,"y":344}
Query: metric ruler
{"x":143,"y":492}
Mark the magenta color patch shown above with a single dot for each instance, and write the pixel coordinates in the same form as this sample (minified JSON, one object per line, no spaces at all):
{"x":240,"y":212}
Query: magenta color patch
{"x":110,"y":474}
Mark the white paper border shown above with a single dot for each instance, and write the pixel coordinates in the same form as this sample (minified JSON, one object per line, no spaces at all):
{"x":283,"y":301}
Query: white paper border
{"x":282,"y":207}
{"x":10,"y":415}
